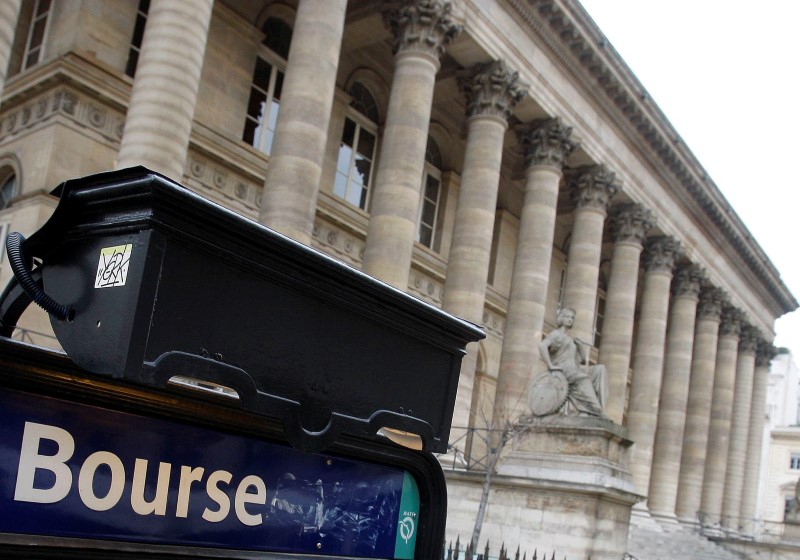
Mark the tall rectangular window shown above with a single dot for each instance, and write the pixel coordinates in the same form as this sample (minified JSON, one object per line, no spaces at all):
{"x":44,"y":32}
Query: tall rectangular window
{"x":794,"y":462}
{"x":354,"y":165}
{"x":136,"y":40}
{"x":263,"y":105}
{"x":37,"y":34}
{"x":429,"y":208}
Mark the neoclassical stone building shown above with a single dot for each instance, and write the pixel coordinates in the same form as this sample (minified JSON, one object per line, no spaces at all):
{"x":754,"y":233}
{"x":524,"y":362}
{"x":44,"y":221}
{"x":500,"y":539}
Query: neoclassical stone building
{"x":495,"y":158}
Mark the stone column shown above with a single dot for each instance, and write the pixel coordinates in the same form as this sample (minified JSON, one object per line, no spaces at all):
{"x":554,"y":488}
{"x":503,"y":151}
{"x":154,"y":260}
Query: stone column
{"x":547,"y":145}
{"x":755,"y":433}
{"x":701,"y":384}
{"x":491,"y":90}
{"x":740,"y":424}
{"x":668,"y":443}
{"x":628,"y":225}
{"x":721,"y":407}
{"x":159,"y":119}
{"x":592,"y":188}
{"x":291,"y":186}
{"x":9,"y":14}
{"x":660,"y":255}
{"x":421,"y":28}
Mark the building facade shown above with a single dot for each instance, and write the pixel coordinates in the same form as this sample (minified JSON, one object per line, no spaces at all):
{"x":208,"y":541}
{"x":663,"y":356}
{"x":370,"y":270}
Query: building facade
{"x":495,"y":158}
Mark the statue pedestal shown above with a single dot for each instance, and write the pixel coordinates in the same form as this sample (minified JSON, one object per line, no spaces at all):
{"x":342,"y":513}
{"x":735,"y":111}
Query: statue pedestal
{"x":562,"y":486}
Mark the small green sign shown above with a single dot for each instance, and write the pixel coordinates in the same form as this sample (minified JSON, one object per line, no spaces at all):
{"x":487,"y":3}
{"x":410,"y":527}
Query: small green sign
{"x":408,"y":520}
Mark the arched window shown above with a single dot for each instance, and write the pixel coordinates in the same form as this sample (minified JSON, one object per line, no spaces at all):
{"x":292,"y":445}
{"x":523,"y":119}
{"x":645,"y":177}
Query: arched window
{"x":265,"y":91}
{"x":357,"y":149}
{"x":136,"y":40}
{"x":427,"y":232}
{"x":7,"y":190}
{"x":37,"y":34}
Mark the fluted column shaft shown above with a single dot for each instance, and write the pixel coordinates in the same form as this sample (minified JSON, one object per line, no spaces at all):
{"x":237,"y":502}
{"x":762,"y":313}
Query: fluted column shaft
{"x":592,"y":188}
{"x":668,"y":444}
{"x":755,"y":434}
{"x":159,"y":119}
{"x":422,"y":28}
{"x":740,"y":424}
{"x":491,"y":90}
{"x":547,"y":145}
{"x":701,"y":385}
{"x":720,"y":422}
{"x":648,"y":357}
{"x":291,"y":185}
{"x":628,"y":224}
{"x":9,"y":14}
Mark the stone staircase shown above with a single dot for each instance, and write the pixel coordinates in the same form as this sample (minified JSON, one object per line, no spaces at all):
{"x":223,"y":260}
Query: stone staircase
{"x":649,"y":540}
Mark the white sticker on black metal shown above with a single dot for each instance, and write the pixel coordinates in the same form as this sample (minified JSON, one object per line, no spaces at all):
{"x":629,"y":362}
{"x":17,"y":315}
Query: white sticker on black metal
{"x":112,"y":270}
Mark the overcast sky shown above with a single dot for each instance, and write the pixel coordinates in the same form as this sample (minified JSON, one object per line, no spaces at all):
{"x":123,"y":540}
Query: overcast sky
{"x":726,"y":73}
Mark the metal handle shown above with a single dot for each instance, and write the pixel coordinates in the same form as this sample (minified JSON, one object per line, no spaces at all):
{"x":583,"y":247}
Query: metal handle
{"x":20,"y":265}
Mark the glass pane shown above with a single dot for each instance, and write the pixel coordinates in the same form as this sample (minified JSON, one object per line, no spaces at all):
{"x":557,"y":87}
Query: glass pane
{"x":363,"y":202}
{"x":278,"y":85}
{"x":355,"y":195}
{"x":428,"y":213}
{"x":256,"y":104}
{"x":340,"y":185}
{"x":432,"y":189}
{"x":43,"y":7}
{"x":349,"y":132}
{"x":33,"y":58}
{"x":37,"y":33}
{"x":133,"y":61}
{"x":366,"y":143}
{"x":262,"y":73}
{"x":425,"y":235}
{"x":362,"y":170}
{"x":144,"y":6}
{"x":251,"y":129}
{"x":343,"y":162}
{"x":138,"y":31}
{"x":274,"y":108}
{"x":278,"y":36}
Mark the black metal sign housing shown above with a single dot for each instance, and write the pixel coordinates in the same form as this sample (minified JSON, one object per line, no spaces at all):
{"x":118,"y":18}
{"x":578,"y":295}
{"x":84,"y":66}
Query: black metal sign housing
{"x":156,"y":282}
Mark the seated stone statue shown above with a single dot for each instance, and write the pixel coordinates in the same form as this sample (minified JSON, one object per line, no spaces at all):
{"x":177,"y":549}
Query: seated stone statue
{"x":570,"y":386}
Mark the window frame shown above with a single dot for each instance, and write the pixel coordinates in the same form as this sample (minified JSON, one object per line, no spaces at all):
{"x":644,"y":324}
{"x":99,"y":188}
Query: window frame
{"x":430,"y":170}
{"x":39,"y":49}
{"x":135,"y":49}
{"x":794,"y":461}
{"x":277,"y":65}
{"x":362,"y":122}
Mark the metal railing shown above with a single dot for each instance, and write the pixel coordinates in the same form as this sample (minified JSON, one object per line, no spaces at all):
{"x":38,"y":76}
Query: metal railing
{"x":739,"y":528}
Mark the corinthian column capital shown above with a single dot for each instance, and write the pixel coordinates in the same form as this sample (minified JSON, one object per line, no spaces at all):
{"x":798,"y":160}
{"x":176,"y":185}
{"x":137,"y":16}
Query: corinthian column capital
{"x":422,"y":25}
{"x":546,"y":142}
{"x":660,"y":253}
{"x":688,"y":280}
{"x":731,"y":321}
{"x":492,"y":89}
{"x":748,"y":339}
{"x":630,"y":222}
{"x":711,"y":301}
{"x":593,"y":186}
{"x":765,"y":352}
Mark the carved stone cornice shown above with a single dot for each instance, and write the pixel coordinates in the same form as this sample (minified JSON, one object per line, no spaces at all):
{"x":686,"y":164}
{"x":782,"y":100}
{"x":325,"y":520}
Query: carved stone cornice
{"x":546,"y":142}
{"x":764,"y":354}
{"x":421,"y":25}
{"x":593,"y":186}
{"x":630,"y":222}
{"x":748,"y":339}
{"x":579,"y":45}
{"x":710,"y":304}
{"x":731,"y":321}
{"x":688,"y":280}
{"x":660,"y":253}
{"x":491,"y":89}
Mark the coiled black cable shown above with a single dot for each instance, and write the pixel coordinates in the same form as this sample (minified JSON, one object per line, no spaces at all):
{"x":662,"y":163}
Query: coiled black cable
{"x":20,"y":266}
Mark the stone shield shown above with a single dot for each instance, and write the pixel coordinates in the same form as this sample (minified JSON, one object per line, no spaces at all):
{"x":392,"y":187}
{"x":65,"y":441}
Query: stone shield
{"x":547,"y":393}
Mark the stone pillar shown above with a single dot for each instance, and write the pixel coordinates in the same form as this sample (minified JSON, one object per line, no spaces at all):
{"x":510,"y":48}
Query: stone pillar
{"x":721,"y":407}
{"x":421,"y":28}
{"x":660,"y":255}
{"x":159,"y":119}
{"x":740,"y":424}
{"x":628,"y":225}
{"x":592,"y":188}
{"x":698,"y":408}
{"x":291,"y":186}
{"x":491,"y":91}
{"x":547,"y":145}
{"x":9,"y":14}
{"x":755,"y":435}
{"x":666,"y":462}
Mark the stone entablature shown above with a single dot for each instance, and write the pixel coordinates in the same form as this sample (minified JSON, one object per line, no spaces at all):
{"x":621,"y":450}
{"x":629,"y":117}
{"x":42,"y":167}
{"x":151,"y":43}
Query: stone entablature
{"x":580,"y":46}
